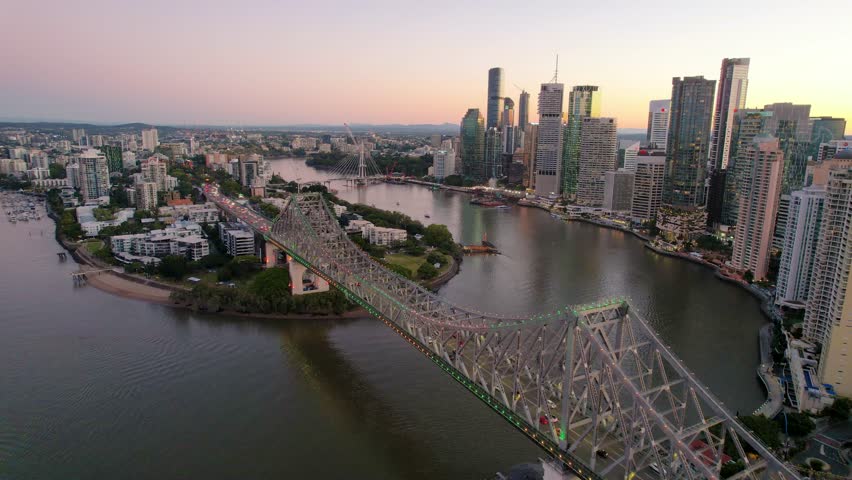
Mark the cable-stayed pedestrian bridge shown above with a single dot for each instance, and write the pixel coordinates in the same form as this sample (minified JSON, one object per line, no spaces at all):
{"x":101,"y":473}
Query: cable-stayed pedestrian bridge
{"x":592,"y":384}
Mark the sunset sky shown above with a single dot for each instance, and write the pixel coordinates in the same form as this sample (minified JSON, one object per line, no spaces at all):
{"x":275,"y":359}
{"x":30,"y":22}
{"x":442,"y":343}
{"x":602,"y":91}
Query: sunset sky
{"x":267,"y":62}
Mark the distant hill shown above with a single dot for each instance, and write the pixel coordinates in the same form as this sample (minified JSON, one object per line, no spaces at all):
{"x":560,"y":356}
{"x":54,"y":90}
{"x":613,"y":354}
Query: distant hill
{"x":391,"y":129}
{"x":91,"y":129}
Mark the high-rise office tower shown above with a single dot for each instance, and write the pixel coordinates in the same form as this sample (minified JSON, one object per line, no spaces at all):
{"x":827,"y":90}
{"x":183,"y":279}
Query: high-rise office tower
{"x":528,"y":153}
{"x":801,"y":238}
{"x":630,"y":153}
{"x":583,"y":101}
{"x":658,"y":123}
{"x":93,"y":175}
{"x":496,"y":97}
{"x":618,"y":190}
{"x":598,"y":155}
{"x":150,"y":139}
{"x":648,"y":185}
{"x":549,"y":148}
{"x":748,"y":123}
{"x":523,"y":110}
{"x":825,"y":130}
{"x":733,"y":86}
{"x":507,"y":117}
{"x":493,"y":153}
{"x":760,"y":189}
{"x":828,"y":316}
{"x":731,"y":97}
{"x":791,"y":124}
{"x":472,"y":145}
{"x":688,"y":142}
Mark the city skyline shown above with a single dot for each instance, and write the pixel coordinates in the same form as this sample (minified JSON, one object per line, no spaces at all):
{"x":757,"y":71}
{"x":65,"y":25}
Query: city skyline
{"x":205,"y":64}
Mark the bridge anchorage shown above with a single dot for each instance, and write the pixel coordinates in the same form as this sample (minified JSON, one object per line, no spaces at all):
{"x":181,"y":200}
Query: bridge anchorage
{"x":592,"y":385}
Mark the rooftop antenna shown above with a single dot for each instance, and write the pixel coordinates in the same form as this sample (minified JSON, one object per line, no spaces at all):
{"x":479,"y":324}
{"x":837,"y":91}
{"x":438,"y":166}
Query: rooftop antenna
{"x":555,"y":78}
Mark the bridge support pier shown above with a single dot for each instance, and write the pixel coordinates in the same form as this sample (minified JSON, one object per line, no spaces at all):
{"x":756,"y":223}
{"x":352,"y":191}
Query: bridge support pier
{"x":303,"y":281}
{"x":270,"y":255}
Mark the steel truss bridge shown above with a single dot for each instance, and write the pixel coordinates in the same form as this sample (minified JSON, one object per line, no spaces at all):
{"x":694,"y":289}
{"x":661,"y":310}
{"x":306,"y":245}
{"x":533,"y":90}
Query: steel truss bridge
{"x":580,"y":381}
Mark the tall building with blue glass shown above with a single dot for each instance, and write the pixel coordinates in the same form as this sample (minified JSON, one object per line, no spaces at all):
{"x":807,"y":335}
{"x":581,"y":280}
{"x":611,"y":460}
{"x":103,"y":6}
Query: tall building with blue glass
{"x":687,"y":148}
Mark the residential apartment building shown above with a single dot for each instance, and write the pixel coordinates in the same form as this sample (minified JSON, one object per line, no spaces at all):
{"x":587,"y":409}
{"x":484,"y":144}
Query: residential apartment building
{"x":760,"y":190}
{"x":828,"y":316}
{"x":93,"y":175}
{"x":237,"y":238}
{"x":801,"y":239}
{"x":648,"y":185}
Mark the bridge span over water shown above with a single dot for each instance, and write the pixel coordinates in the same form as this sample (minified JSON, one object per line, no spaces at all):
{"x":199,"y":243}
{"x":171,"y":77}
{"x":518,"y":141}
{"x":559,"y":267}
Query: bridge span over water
{"x":592,"y":385}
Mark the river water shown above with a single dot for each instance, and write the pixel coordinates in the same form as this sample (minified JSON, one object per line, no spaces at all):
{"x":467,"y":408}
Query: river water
{"x":97,"y":386}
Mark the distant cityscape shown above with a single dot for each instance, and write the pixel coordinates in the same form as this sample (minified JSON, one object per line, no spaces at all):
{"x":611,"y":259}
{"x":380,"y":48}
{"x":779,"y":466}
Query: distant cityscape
{"x":763,"y":195}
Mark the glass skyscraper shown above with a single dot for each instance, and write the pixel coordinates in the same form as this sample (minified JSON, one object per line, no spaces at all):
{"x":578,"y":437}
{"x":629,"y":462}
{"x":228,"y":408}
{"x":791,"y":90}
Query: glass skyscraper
{"x":688,"y":144}
{"x":496,"y":94}
{"x":472,"y":137}
{"x":523,"y":110}
{"x":733,"y":86}
{"x":824,"y":130}
{"x":584,"y":101}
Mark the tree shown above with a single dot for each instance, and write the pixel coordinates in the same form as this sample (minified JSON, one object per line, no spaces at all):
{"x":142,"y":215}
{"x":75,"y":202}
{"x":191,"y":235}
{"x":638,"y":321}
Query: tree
{"x":434,"y":257}
{"x":427,"y":271}
{"x":453,"y":180}
{"x":399,"y":270}
{"x":213,"y":260}
{"x":839,"y":410}
{"x":767,"y":430}
{"x":798,"y":424}
{"x":731,"y":468}
{"x":118,"y":197}
{"x":271,"y":284}
{"x":174,"y":266}
{"x":439,"y":237}
{"x":56,"y":170}
{"x":748,"y":276}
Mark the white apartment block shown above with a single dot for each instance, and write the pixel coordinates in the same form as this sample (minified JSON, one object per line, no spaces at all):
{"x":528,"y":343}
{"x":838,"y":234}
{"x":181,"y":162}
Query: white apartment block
{"x":238,"y":239}
{"x":444,"y":163}
{"x":800,"y":245}
{"x":91,"y":227}
{"x":93,"y":175}
{"x":630,"y":154}
{"x":203,"y":213}
{"x":180,"y":239}
{"x":828,"y":316}
{"x":658,"y":123}
{"x":384,"y":236}
{"x":150,"y":139}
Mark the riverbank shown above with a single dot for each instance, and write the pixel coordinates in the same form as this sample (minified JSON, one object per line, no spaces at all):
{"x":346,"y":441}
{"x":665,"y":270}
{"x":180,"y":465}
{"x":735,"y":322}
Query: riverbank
{"x":108,"y":279}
